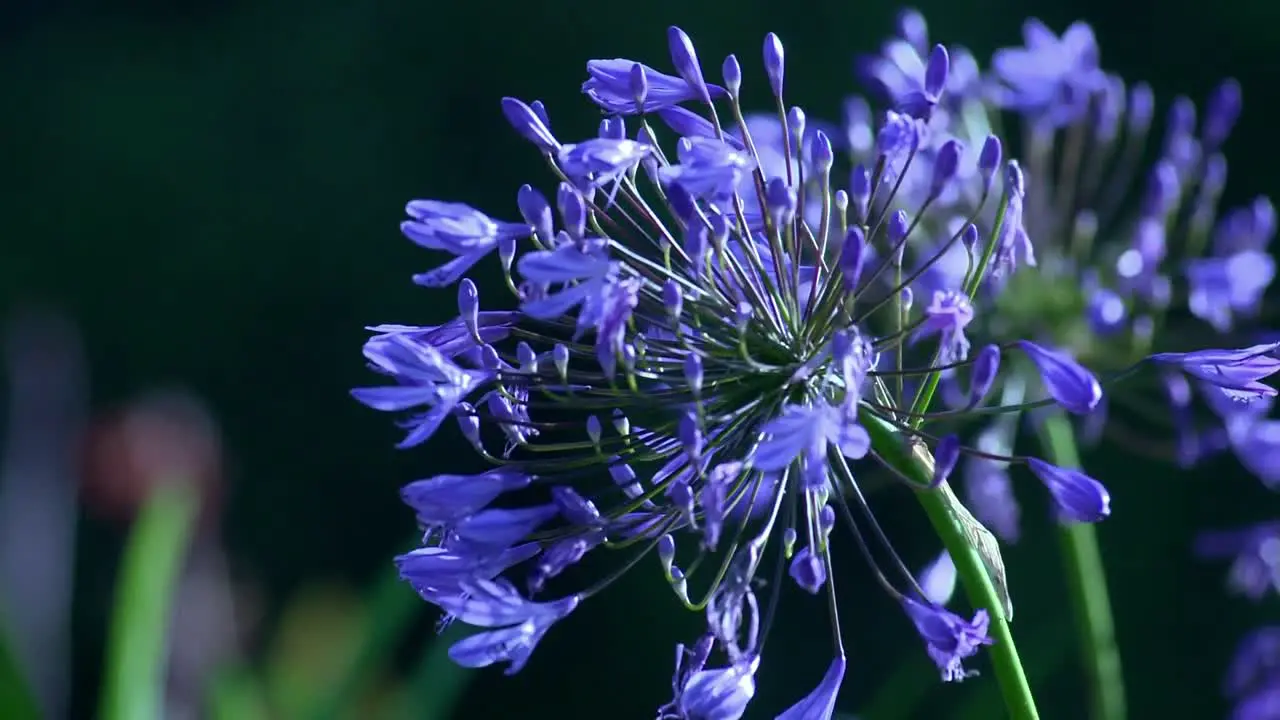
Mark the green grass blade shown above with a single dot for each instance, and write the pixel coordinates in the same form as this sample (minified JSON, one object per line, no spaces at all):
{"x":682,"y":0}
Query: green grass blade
{"x":137,"y":638}
{"x":1087,"y":583}
{"x":392,"y":609}
{"x":236,"y":694}
{"x":16,"y":700}
{"x":437,"y":682}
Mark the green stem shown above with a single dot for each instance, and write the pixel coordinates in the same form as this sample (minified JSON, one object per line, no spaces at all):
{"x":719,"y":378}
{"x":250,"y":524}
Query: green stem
{"x":1046,"y":659}
{"x":16,"y":700}
{"x":925,"y":395}
{"x":392,"y":608}
{"x":137,"y":642}
{"x":1087,"y":583}
{"x":971,"y":565}
{"x":437,"y":683}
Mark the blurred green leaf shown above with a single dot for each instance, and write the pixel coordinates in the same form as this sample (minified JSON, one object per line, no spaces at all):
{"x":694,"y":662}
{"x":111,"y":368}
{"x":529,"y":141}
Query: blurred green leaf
{"x":901,"y":695}
{"x":437,"y":681}
{"x":16,"y":701}
{"x":136,"y":642}
{"x":392,"y":608}
{"x":1047,"y":654}
{"x":236,"y":694}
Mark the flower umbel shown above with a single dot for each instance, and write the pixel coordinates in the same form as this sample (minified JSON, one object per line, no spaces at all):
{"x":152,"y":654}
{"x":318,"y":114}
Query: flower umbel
{"x":705,"y":336}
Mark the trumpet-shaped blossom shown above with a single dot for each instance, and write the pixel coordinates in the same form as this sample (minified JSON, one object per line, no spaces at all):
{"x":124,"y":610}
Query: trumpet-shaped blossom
{"x":1236,"y":373}
{"x":948,"y":637}
{"x":613,"y":85}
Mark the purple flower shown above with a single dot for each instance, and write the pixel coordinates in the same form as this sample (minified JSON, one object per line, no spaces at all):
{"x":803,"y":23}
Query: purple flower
{"x":1264,"y":704}
{"x":609,"y":315}
{"x":1255,"y":554}
{"x":720,"y":694}
{"x":709,"y":169}
{"x":1013,"y":245}
{"x":610,"y":86}
{"x":915,"y":85}
{"x":1234,"y":372}
{"x":946,"y":454}
{"x":685,"y":58}
{"x":720,"y":285}
{"x":1222,"y":287}
{"x":807,"y":431}
{"x":897,"y":142}
{"x":1256,"y":663}
{"x":821,"y":703}
{"x":516,"y":624}
{"x":591,"y":270}
{"x":1079,"y":498}
{"x":717,"y":694}
{"x":531,"y":123}
{"x":774,"y":63}
{"x":1252,"y":678}
{"x":808,"y":570}
{"x":1073,"y":387}
{"x":986,"y":367}
{"x":938,"y":579}
{"x":1050,"y":78}
{"x":437,"y":569}
{"x":425,"y":377}
{"x":457,"y":229}
{"x":454,"y":339}
{"x":948,"y":637}
{"x":928,"y":83}
{"x":948,"y":314}
{"x":499,"y":528}
{"x":1256,"y":442}
{"x":688,"y":124}
{"x":1246,"y":228}
{"x":559,"y":556}
{"x":714,"y":499}
{"x":1107,"y":312}
{"x":446,"y":499}
{"x":771,"y":145}
{"x":599,"y":161}
{"x":989,"y":493}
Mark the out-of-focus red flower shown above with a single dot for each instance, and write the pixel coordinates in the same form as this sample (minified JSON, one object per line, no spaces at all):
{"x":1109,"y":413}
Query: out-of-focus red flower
{"x":162,"y":437}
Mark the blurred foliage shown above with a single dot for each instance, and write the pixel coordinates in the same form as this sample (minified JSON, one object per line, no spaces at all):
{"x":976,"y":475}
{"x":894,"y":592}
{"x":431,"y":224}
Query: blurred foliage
{"x":212,"y":190}
{"x":15,"y":697}
{"x":139,"y":631}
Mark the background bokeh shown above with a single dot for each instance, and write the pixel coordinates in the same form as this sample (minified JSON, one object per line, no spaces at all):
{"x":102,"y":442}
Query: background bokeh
{"x":199,"y":204}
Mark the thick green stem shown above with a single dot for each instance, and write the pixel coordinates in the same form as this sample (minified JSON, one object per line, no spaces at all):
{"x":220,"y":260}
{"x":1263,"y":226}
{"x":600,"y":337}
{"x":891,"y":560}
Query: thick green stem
{"x":1087,"y":582}
{"x":971,"y":564}
{"x":16,"y":699}
{"x":392,"y":608}
{"x":138,"y":638}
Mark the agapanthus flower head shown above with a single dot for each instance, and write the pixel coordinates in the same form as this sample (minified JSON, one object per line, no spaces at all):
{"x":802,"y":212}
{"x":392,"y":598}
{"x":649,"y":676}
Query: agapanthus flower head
{"x":1123,"y":252}
{"x":722,"y":329}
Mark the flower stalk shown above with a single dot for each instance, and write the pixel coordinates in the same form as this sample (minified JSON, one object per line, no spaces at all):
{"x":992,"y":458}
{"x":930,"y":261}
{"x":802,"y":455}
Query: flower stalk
{"x":1087,"y":586}
{"x":971,"y":566}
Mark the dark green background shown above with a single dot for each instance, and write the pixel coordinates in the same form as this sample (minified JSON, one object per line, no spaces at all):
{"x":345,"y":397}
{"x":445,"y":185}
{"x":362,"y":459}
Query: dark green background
{"x":212,"y":190}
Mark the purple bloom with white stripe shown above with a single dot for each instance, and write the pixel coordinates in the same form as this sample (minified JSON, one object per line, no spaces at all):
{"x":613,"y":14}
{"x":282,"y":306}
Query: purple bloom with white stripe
{"x":457,"y":229}
{"x":612,"y":86}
